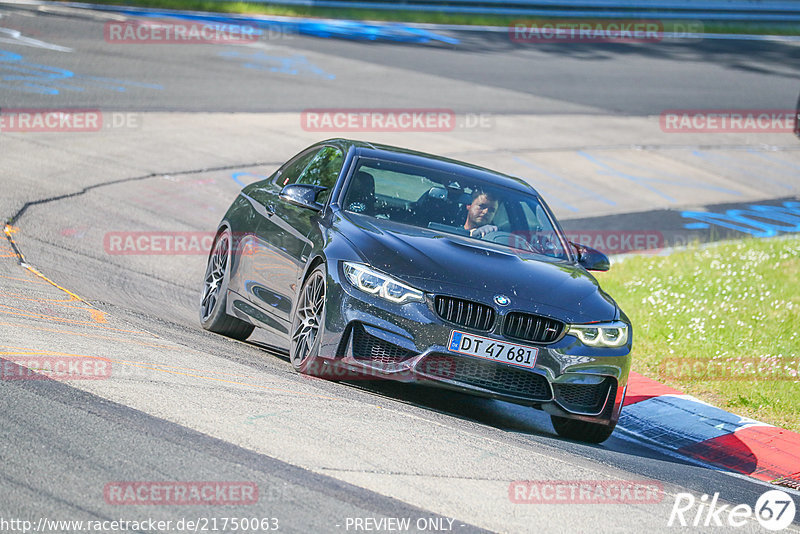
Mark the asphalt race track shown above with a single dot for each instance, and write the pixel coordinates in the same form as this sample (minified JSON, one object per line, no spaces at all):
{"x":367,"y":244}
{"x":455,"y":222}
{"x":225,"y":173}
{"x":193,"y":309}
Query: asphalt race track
{"x":185,"y":126}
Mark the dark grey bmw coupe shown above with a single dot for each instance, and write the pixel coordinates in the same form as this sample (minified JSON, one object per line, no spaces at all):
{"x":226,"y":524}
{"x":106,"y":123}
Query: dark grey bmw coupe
{"x":402,"y":265}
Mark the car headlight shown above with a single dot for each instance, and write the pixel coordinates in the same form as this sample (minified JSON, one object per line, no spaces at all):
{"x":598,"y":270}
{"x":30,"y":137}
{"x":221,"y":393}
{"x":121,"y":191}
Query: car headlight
{"x":614,"y":334}
{"x":384,"y":286}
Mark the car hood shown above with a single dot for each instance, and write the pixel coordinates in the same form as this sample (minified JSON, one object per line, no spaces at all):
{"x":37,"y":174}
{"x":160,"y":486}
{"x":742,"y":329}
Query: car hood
{"x":449,"y":264}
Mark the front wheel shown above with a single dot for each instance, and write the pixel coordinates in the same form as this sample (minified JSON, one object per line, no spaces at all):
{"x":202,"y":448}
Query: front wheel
{"x":215,"y":292}
{"x":581,"y":430}
{"x":308,"y":323}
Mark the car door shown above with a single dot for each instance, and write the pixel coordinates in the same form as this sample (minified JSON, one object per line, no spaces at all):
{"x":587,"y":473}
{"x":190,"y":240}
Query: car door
{"x":265,"y":255}
{"x":282,"y":235}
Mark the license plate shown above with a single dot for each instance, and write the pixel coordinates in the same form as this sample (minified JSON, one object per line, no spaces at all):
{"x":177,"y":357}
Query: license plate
{"x":491,"y":349}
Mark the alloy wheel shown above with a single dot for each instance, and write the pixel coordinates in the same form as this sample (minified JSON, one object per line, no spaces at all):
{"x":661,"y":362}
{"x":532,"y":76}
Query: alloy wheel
{"x":215,"y":274}
{"x":308,"y":318}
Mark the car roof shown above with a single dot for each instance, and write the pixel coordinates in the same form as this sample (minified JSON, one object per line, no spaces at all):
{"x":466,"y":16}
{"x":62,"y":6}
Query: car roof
{"x":404,"y":155}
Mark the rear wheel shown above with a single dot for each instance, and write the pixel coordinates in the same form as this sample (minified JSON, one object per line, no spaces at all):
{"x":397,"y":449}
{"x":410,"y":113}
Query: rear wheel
{"x":308,"y":323}
{"x":581,"y":430}
{"x":215,"y":292}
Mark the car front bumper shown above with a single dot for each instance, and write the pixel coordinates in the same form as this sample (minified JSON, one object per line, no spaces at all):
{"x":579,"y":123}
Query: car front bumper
{"x":371,"y":338}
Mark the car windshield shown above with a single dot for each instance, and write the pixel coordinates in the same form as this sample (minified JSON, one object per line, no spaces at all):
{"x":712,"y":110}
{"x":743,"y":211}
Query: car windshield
{"x":447,"y":203}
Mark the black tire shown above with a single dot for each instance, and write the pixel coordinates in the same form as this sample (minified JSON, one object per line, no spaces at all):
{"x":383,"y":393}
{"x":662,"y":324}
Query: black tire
{"x":215,"y":292}
{"x":581,"y":430}
{"x":308,"y":324}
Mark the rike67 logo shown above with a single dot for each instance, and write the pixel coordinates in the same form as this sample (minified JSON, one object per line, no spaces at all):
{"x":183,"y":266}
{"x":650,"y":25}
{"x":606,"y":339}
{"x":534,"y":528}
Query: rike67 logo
{"x":774,"y":510}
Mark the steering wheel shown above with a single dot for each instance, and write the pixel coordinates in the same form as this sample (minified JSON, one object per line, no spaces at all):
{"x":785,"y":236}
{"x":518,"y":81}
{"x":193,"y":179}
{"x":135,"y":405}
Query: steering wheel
{"x":507,"y":238}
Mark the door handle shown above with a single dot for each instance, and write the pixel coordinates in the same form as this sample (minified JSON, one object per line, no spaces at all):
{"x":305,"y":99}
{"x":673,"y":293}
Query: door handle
{"x":270,"y":210}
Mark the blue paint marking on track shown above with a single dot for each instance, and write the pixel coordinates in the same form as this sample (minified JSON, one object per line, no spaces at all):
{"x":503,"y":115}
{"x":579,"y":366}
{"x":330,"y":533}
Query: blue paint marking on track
{"x":640,"y":180}
{"x":679,"y":179}
{"x":757,"y":220}
{"x":426,"y":30}
{"x":716,"y":160}
{"x":551,"y":198}
{"x":342,"y":29}
{"x":235,"y":177}
{"x":696,"y":226}
{"x":294,"y":65}
{"x":773,"y":159}
{"x":561,"y":179}
{"x":16,"y":74}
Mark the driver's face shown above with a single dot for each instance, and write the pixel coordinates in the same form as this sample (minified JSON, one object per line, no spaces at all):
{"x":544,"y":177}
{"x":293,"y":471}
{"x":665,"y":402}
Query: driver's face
{"x":480,"y":212}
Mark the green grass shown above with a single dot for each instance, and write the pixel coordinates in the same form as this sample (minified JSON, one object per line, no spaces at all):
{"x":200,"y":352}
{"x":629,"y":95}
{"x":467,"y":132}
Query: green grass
{"x":415,"y":16}
{"x":719,"y":322}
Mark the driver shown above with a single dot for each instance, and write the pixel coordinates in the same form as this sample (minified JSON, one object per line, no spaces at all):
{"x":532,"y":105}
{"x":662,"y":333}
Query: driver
{"x":480,"y":214}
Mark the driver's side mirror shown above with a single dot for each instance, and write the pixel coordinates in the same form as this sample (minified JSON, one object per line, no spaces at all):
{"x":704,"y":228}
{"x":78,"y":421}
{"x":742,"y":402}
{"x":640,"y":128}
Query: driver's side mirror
{"x":303,"y":195}
{"x":591,"y":259}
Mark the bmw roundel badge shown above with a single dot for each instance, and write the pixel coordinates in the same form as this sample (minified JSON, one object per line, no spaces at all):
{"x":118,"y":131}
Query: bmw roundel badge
{"x":502,"y":300}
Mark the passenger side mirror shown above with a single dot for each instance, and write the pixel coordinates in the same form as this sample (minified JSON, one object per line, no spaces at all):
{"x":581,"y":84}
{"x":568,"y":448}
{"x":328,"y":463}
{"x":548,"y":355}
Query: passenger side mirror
{"x":591,"y":259}
{"x":303,"y":195}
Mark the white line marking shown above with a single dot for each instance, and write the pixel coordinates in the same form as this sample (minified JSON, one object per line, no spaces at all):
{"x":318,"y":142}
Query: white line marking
{"x":8,"y":35}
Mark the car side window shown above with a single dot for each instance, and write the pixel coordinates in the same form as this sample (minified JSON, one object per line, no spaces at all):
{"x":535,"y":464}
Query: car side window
{"x":539,"y":232}
{"x":500,"y":218}
{"x":532,"y":220}
{"x":290,"y":172}
{"x":323,"y":170}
